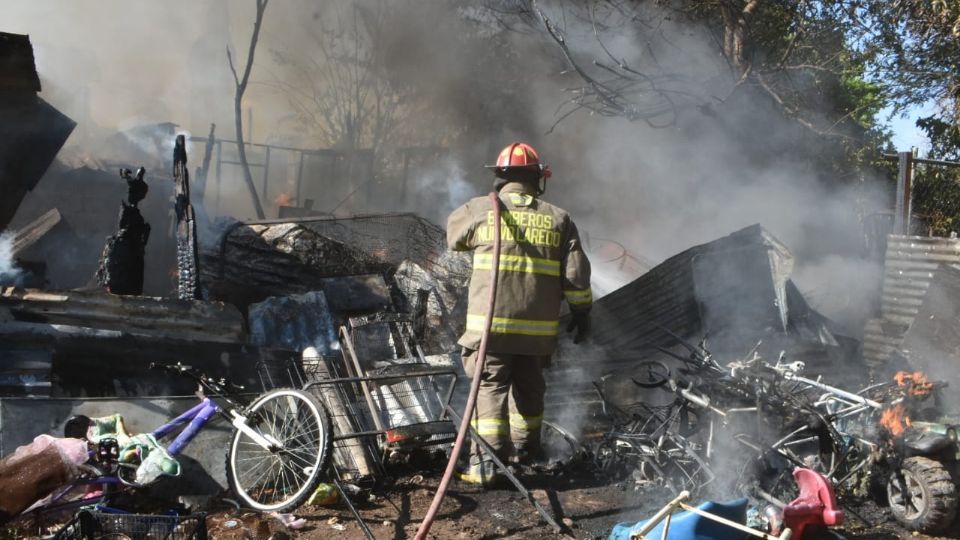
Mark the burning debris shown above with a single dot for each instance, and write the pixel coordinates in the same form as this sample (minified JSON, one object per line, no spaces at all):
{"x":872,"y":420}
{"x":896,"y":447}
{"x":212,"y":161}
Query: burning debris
{"x":329,"y":343}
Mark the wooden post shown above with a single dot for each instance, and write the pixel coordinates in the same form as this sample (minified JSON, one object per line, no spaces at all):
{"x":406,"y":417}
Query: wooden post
{"x":219,"y":167}
{"x":901,"y":218}
{"x":205,"y":169}
{"x":406,"y":173}
{"x":300,"y":177}
{"x":266,"y":173}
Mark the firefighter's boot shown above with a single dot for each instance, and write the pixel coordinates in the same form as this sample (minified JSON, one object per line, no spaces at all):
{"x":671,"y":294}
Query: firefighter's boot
{"x":483,"y":473}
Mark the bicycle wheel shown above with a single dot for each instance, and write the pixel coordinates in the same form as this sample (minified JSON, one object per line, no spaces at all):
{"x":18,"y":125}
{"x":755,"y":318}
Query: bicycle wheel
{"x":281,"y":477}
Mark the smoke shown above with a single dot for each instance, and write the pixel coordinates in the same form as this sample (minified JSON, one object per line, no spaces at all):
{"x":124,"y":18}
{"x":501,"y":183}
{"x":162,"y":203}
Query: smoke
{"x":440,"y":189}
{"x":469,"y":80}
{"x":9,"y":272}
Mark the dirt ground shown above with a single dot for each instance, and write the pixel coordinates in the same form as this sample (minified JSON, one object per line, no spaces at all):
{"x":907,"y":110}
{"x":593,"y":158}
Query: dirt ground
{"x":588,"y":504}
{"x":590,"y":508}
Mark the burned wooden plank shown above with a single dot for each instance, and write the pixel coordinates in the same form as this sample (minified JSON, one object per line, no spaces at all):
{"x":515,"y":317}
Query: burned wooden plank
{"x":86,"y":363}
{"x":177,"y":319}
{"x":28,"y":235}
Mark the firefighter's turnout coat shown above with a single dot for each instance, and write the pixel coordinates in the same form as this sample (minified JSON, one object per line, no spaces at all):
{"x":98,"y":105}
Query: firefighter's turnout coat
{"x":541,"y":264}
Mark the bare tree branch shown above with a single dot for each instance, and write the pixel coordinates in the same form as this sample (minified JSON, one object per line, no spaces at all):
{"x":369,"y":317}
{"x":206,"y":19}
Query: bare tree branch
{"x":629,"y":93}
{"x":241,"y":87}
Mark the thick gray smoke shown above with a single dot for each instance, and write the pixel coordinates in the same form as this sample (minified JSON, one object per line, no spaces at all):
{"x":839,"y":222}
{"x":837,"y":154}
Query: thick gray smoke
{"x":459,"y":80}
{"x":469,"y":80}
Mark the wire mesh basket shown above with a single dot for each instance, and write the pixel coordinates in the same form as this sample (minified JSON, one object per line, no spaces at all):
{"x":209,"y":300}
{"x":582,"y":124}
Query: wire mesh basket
{"x":287,"y":372}
{"x":87,"y":525}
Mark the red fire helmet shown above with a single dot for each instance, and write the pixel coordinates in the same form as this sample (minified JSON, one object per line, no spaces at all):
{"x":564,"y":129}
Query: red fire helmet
{"x":519,"y":155}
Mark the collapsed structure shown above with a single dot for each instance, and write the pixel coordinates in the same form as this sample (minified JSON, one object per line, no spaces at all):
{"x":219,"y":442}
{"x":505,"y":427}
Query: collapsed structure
{"x":365,"y":311}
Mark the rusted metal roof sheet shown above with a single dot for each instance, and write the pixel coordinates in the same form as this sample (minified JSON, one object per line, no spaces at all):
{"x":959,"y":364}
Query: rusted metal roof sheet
{"x":910,"y":265}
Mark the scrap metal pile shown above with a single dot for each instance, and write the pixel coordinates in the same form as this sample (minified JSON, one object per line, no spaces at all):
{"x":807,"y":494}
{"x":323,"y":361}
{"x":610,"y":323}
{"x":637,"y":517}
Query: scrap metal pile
{"x":711,"y":427}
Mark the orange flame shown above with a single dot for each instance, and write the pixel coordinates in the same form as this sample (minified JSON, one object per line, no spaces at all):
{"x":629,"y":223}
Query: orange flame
{"x":283,"y":199}
{"x":917,"y":383}
{"x":895,"y":419}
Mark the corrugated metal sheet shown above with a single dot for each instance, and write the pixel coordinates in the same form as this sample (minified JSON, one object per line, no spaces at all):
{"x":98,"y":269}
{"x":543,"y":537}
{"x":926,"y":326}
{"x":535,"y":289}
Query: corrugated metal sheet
{"x":932,"y":343}
{"x":738,"y":284}
{"x":631,"y":318}
{"x":910,"y":265}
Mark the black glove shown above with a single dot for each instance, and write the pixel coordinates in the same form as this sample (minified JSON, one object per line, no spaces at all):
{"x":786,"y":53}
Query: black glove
{"x":580,"y":322}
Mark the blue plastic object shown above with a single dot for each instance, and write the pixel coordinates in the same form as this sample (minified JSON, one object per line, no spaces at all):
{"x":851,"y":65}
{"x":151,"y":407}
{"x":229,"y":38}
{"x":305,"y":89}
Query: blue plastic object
{"x":690,"y":526}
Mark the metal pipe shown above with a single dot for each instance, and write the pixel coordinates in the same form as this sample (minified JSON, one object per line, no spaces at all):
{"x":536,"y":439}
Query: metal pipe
{"x":412,"y":374}
{"x":856,"y":398}
{"x":348,"y":352}
{"x":938,"y":162}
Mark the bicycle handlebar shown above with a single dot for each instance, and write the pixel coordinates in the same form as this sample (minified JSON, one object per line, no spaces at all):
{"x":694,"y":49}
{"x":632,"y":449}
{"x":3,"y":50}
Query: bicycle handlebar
{"x":198,"y":376}
{"x":175,"y":368}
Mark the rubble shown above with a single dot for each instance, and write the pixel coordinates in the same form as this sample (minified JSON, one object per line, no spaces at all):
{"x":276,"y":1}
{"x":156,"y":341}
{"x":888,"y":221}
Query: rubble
{"x":364,"y":312}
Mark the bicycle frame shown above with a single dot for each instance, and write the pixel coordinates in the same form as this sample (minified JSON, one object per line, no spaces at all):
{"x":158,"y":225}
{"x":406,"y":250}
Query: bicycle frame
{"x":197,"y":416}
{"x":195,"y":419}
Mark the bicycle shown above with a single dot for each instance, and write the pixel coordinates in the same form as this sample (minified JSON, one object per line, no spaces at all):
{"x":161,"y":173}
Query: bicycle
{"x":653,"y":443}
{"x":278,"y":453}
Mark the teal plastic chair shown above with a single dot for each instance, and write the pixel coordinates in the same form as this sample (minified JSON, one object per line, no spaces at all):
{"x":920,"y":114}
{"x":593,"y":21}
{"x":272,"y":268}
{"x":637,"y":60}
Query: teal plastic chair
{"x":690,"y":526}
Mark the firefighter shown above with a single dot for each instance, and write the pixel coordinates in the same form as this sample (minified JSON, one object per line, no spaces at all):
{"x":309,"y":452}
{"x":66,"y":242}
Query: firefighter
{"x":542,"y":263}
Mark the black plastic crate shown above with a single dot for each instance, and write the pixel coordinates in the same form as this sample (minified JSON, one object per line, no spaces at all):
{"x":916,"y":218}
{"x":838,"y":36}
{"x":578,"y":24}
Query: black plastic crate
{"x":88,"y":525}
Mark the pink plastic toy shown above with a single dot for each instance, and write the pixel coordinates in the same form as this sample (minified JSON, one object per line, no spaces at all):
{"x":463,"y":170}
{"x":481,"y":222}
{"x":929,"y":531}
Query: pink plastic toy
{"x":816,"y":505}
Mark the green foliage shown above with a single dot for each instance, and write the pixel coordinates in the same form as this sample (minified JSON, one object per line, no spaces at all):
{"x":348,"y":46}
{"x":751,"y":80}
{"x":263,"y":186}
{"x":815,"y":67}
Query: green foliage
{"x":936,"y":200}
{"x":936,"y":191}
{"x":915,"y":50}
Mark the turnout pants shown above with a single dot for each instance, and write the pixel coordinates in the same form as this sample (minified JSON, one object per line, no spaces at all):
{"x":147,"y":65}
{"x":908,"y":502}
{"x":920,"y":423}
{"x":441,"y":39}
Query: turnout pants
{"x":509,"y":409}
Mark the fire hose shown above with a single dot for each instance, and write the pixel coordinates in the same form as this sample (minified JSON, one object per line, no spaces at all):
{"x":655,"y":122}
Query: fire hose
{"x":475,"y":385}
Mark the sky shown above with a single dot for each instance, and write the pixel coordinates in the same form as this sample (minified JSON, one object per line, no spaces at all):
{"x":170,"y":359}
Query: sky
{"x":906,"y":134}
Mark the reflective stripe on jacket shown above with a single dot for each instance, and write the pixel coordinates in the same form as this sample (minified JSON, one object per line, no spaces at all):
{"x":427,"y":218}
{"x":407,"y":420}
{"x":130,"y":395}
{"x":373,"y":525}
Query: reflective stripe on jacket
{"x":541,"y":264}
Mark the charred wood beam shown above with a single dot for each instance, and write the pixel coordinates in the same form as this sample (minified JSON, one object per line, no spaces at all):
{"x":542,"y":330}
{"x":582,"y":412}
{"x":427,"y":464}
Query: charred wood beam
{"x":174,"y":319}
{"x":122,"y":262}
{"x":188,"y":265}
{"x":35,"y":230}
{"x":204,"y":170}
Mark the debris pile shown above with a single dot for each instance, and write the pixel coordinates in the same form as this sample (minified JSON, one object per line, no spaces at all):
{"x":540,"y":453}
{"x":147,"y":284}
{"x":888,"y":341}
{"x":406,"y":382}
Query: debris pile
{"x":354,"y":321}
